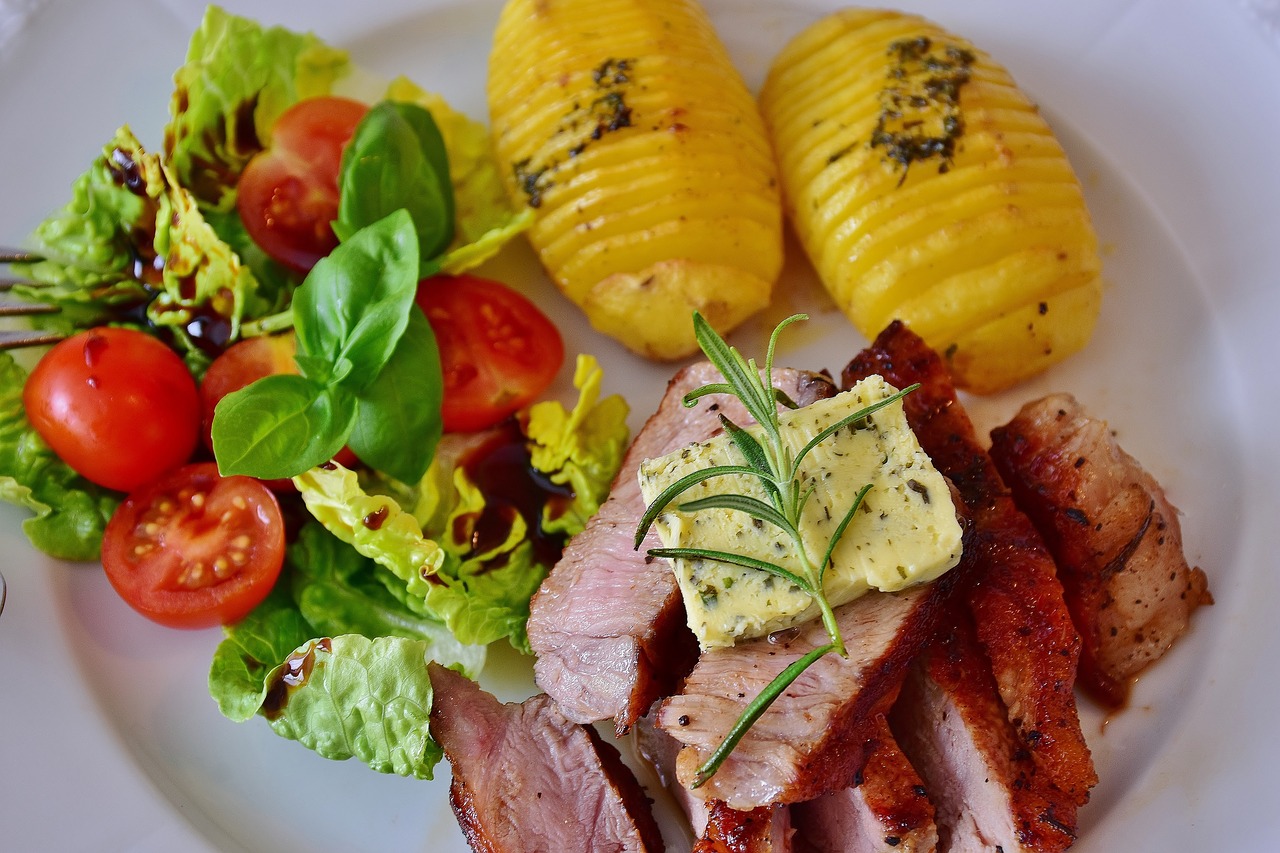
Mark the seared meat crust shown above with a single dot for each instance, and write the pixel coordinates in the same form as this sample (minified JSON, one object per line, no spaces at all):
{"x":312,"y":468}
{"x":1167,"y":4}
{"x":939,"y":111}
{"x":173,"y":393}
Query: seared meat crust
{"x":1007,"y":577}
{"x":1114,"y":535}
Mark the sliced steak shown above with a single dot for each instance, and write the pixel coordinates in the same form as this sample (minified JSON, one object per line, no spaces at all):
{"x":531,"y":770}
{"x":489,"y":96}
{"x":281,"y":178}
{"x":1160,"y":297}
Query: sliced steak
{"x":886,"y":811}
{"x":525,"y":778}
{"x":988,"y":792}
{"x":718,"y":828}
{"x":608,"y":625}
{"x":1114,"y":535}
{"x":1009,"y":579}
{"x":813,"y":738}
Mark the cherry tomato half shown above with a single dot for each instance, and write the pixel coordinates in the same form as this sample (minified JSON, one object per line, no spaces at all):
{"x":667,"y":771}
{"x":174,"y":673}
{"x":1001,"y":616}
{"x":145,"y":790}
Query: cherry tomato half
{"x":288,"y":194}
{"x":195,"y":549}
{"x":497,"y":350}
{"x":245,"y":362}
{"x":116,"y":405}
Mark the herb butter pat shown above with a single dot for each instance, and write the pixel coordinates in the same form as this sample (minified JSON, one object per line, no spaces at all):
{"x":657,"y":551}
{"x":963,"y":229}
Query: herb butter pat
{"x":906,"y":531}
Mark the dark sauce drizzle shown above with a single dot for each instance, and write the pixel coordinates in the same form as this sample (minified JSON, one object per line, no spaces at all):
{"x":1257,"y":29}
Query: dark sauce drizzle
{"x":503,"y":470}
{"x":208,"y":329}
{"x":293,"y":674}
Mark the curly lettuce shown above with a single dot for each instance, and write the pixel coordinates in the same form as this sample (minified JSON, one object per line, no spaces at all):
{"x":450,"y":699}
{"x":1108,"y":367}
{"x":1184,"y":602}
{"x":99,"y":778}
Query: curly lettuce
{"x":481,"y":592}
{"x":335,"y":658}
{"x":132,"y":247}
{"x":238,"y":78}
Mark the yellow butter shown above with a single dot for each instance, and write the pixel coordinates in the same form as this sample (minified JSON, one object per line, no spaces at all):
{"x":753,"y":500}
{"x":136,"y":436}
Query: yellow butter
{"x":905,"y":533}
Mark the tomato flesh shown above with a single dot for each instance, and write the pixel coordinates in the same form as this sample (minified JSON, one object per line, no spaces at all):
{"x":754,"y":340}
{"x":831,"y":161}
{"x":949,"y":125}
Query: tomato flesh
{"x":116,"y":405}
{"x":288,"y":194}
{"x":498,"y":352}
{"x":195,"y":549}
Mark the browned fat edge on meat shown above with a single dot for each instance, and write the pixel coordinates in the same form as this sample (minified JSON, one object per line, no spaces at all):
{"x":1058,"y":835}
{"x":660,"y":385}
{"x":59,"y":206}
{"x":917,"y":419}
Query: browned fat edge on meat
{"x":763,"y":830}
{"x":608,"y":626}
{"x":1113,"y":533}
{"x":1009,"y":580}
{"x":813,"y":738}
{"x":988,"y":791}
{"x":525,"y":778}
{"x":887,"y":810}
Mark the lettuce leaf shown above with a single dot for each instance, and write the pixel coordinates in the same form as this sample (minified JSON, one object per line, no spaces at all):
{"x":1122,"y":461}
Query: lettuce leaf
{"x":335,"y":659}
{"x":132,"y":237}
{"x":375,"y":525}
{"x":350,"y":696}
{"x":582,"y":448}
{"x":480,"y":596}
{"x":238,"y":78}
{"x":70,"y":513}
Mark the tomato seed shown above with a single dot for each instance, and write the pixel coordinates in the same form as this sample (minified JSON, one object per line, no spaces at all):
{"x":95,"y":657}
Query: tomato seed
{"x":242,"y":541}
{"x":239,"y":502}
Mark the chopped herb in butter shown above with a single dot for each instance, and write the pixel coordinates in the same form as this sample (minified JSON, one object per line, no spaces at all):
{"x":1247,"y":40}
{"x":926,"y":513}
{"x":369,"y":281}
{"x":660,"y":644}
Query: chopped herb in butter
{"x":905,"y":532}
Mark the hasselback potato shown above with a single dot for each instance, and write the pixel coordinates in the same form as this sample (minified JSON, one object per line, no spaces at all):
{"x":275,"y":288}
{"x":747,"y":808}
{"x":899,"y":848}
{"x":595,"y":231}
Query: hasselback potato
{"x":925,"y":186}
{"x":627,"y":129}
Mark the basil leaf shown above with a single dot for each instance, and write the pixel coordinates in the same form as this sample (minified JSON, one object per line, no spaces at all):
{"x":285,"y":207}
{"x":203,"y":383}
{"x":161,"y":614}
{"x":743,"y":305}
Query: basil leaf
{"x":398,"y":421}
{"x":354,"y":303}
{"x":280,"y":426}
{"x":397,"y":159}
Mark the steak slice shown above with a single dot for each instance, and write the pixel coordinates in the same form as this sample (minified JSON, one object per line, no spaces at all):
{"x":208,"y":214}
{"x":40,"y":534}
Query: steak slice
{"x":1008,"y":577}
{"x":1114,"y":534}
{"x":525,"y":778}
{"x":886,"y":811}
{"x":719,"y":829}
{"x":608,"y":625}
{"x":813,"y":739}
{"x":988,"y":792}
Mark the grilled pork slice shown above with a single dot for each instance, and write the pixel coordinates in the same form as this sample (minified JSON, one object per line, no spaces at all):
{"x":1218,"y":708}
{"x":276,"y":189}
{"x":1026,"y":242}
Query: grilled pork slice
{"x":608,"y":626}
{"x":1113,"y":533}
{"x":718,"y":828}
{"x":989,"y":794}
{"x":813,"y":738}
{"x":886,"y":811}
{"x":525,"y":778}
{"x":1007,"y":576}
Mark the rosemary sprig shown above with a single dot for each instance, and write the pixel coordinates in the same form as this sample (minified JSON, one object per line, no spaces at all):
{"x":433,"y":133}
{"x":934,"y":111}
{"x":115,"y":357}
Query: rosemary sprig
{"x":777,"y":468}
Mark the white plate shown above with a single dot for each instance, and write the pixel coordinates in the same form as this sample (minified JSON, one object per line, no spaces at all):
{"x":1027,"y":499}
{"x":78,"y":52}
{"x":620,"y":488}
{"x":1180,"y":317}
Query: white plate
{"x":108,"y":740}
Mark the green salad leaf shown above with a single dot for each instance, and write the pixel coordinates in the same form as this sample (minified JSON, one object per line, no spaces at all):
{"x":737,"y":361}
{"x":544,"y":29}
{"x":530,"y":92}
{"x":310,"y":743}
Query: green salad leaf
{"x":335,"y":659}
{"x":132,"y":247}
{"x":238,"y":78}
{"x":350,"y":696}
